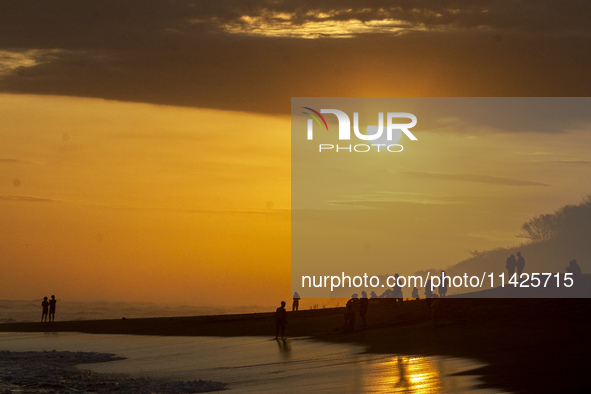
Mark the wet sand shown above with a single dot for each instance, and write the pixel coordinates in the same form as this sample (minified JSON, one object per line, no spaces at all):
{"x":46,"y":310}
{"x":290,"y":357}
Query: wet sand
{"x":531,"y":345}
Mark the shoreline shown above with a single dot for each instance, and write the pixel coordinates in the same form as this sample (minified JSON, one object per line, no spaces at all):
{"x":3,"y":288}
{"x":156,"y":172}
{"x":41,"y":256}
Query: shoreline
{"x":529,"y":345}
{"x":38,"y":371}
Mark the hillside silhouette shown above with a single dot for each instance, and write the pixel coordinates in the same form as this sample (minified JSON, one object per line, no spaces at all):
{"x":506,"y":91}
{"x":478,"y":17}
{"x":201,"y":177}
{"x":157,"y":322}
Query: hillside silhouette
{"x":553,"y":240}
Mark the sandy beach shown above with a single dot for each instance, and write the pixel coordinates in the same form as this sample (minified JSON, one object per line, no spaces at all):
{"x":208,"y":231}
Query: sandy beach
{"x":529,"y":345}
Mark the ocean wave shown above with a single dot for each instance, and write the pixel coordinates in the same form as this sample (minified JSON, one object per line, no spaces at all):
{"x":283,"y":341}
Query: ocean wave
{"x":45,"y":372}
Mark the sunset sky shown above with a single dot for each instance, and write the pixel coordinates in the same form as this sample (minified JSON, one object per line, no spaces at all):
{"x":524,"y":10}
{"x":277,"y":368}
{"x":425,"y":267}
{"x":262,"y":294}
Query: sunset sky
{"x":145,"y":148}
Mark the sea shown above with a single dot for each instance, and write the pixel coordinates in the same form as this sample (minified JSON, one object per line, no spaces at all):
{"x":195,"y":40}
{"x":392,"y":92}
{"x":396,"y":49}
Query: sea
{"x":12,"y":311}
{"x":257,"y":364}
{"x":239,"y":364}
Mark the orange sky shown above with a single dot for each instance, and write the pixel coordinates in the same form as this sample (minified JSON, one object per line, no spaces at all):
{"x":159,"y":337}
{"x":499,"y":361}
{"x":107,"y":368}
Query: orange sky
{"x":123,"y":201}
{"x":128,"y":201}
{"x":145,"y":149}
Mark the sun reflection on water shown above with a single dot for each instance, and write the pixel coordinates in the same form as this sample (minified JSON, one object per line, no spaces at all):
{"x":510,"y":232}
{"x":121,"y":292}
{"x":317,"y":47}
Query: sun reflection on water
{"x":406,"y":375}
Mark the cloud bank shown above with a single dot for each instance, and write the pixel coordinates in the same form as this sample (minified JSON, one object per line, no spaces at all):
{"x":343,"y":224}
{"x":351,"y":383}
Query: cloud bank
{"x":254,"y":56}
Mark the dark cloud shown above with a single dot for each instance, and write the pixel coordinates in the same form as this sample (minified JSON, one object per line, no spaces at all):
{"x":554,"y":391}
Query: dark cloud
{"x":12,"y":161}
{"x":25,"y":199}
{"x":182,"y":52}
{"x":163,"y":136}
{"x":476,"y":178}
{"x":576,"y":162}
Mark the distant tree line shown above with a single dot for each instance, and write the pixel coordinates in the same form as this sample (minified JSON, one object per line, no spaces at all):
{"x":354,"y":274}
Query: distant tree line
{"x":570,"y":220}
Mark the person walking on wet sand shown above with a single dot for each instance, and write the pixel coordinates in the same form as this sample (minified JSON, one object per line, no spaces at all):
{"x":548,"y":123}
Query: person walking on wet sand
{"x":52,"y":303}
{"x":280,"y":321}
{"x":45,"y":306}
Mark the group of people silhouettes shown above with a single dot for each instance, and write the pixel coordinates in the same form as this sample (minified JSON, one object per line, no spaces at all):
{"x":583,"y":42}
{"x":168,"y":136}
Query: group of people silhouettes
{"x":515,"y":263}
{"x":356,"y":306}
{"x":518,"y":264}
{"x":515,"y":266}
{"x":429,"y":294}
{"x":48,"y":309}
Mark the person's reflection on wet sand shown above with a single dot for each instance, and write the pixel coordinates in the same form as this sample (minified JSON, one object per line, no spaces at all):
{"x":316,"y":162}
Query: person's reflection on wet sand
{"x":284,"y":348}
{"x":403,"y":381}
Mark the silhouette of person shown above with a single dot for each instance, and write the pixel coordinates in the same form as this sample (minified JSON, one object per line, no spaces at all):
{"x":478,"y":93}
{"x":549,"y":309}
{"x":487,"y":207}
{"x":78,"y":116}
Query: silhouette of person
{"x":511,"y":265}
{"x":349,"y":318}
{"x":363,"y":305}
{"x":435,"y":309}
{"x":415,"y":293}
{"x":45,"y":306}
{"x":443,"y":285}
{"x":428,"y":291}
{"x":396,"y":290}
{"x":296,"y":302}
{"x":428,"y":294}
{"x":574,"y":268}
{"x":373,"y":295}
{"x":280,"y":320}
{"x":520,"y":264}
{"x":355,"y":302}
{"x":52,"y":303}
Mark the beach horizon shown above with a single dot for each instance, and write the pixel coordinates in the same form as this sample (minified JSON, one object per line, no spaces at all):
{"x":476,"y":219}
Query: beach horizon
{"x":505,"y":334}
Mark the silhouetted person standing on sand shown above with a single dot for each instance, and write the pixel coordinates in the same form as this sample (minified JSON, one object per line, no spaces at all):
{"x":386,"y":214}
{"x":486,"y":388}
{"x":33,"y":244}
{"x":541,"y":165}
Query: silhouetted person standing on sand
{"x":45,"y":306}
{"x":296,"y":302}
{"x":396,"y":290}
{"x":280,"y":321}
{"x":574,"y":268}
{"x":355,"y":302}
{"x":443,"y":285}
{"x":415,"y":293}
{"x":52,"y":303}
{"x":349,"y":318}
{"x":428,"y":294}
{"x":435,"y":309}
{"x":520,"y":264}
{"x":428,"y":291}
{"x":363,"y":305}
{"x":510,"y":265}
